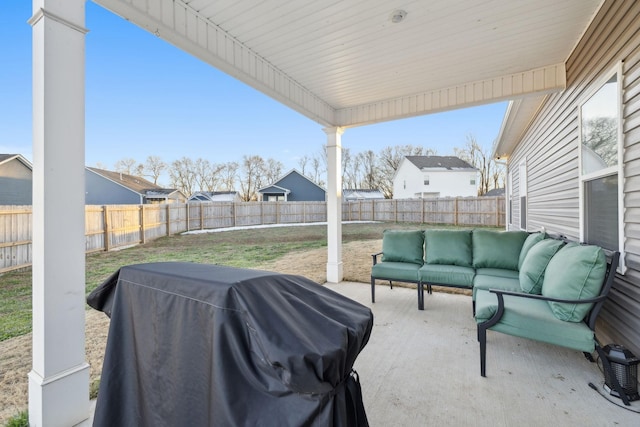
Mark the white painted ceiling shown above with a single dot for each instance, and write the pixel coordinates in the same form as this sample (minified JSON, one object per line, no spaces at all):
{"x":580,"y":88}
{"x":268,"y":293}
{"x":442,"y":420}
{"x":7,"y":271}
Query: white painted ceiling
{"x":345,"y":63}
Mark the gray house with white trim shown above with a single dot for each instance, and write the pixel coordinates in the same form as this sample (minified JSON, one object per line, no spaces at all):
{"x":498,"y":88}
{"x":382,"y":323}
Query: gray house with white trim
{"x":292,"y":187}
{"x":15,"y":180}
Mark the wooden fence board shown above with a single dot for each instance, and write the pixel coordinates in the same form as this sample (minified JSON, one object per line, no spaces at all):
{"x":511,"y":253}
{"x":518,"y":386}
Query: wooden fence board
{"x":115,"y":226}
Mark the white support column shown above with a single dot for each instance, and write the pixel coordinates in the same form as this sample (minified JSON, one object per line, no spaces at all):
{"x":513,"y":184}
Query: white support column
{"x":59,"y":379}
{"x":334,"y":204}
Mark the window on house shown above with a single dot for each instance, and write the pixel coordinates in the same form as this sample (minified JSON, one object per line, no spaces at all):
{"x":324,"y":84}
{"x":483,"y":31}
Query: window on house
{"x":426,"y":180}
{"x":404,"y":185}
{"x":523,"y":195}
{"x":472,"y":181}
{"x":600,"y":154}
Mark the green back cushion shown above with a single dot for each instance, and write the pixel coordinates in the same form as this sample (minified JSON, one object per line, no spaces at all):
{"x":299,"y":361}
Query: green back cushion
{"x":452,"y":247}
{"x":497,"y":249}
{"x":531,"y":241}
{"x":535,"y":264}
{"x":402,"y":246}
{"x":575,"y":272}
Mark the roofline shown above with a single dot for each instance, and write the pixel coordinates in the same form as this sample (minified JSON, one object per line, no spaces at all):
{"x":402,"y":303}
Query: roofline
{"x":20,"y":158}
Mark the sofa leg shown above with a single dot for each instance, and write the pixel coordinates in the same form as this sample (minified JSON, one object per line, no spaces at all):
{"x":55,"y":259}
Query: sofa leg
{"x":420,"y":296}
{"x":390,"y":284}
{"x":482,"y":338}
{"x":373,"y":290}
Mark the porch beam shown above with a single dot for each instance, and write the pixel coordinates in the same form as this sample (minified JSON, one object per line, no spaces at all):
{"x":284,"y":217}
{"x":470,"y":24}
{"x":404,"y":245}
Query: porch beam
{"x":538,"y":82}
{"x":59,"y":379}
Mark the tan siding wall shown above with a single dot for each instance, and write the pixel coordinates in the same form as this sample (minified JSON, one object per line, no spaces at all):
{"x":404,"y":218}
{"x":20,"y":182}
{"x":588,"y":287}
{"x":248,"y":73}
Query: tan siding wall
{"x":550,"y":146}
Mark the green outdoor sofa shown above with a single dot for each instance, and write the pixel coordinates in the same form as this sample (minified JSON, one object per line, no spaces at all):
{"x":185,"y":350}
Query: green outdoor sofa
{"x":469,"y":259}
{"x":526,"y":285}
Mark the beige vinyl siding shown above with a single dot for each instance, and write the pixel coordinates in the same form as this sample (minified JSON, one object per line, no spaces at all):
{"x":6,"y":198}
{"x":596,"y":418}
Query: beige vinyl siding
{"x":551,"y":142}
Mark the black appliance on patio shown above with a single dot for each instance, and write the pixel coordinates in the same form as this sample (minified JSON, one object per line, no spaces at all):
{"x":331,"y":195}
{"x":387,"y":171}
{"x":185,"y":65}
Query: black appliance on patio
{"x":206,"y":345}
{"x":624,"y":367}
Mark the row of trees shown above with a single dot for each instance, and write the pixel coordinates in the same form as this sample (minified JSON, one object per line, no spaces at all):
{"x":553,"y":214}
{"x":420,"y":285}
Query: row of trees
{"x":364,"y":170}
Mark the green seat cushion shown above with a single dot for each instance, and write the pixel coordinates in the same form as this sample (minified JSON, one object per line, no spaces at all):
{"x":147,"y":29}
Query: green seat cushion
{"x":574,"y":272}
{"x":449,"y":247}
{"x":481,"y":281}
{"x":528,"y":318}
{"x":530,"y":242}
{"x":447,"y":275}
{"x":497,"y":272}
{"x":403,"y":246}
{"x":534,"y":265}
{"x":400,"y":271}
{"x":497,"y":249}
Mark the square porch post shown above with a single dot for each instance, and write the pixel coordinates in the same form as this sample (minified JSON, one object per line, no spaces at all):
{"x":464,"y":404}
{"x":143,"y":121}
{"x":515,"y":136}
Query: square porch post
{"x":59,"y":379}
{"x":334,"y":204}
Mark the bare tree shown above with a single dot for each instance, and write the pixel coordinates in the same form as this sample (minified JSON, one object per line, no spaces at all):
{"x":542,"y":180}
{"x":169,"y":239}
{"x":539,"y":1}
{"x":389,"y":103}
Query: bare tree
{"x":253,"y":168}
{"x":302,"y":163}
{"x":183,"y":176}
{"x":153,"y":168}
{"x":229,"y":175}
{"x":127,"y":165}
{"x":371,"y":177}
{"x":207,"y":175}
{"x":273,"y":171}
{"x":491,"y":173}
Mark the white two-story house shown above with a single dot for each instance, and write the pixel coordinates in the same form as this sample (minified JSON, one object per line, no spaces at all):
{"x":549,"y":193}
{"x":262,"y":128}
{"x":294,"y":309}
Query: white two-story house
{"x":434,"y":176}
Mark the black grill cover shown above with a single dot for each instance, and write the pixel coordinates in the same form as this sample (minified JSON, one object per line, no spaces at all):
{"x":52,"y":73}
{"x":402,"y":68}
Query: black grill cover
{"x":206,"y":345}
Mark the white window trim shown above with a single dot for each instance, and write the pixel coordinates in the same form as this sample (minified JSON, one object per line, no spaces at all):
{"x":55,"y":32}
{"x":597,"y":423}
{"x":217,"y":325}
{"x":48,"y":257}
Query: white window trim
{"x":617,"y":69}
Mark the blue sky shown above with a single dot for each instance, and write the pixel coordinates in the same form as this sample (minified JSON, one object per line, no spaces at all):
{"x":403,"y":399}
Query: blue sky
{"x":146,"y":97}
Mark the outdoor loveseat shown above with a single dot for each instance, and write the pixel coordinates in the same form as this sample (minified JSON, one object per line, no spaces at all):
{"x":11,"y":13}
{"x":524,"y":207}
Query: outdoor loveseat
{"x":526,"y":285}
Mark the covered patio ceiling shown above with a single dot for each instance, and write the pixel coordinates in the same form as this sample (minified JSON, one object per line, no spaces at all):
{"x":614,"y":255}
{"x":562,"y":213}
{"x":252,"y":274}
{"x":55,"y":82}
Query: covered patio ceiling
{"x":346,"y":63}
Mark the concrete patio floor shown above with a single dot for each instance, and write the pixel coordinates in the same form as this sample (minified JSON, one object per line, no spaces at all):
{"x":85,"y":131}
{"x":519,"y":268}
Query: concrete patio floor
{"x":422,"y":368}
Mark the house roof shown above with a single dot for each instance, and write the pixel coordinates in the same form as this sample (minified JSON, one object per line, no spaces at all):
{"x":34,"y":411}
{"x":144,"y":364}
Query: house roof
{"x":348,"y":64}
{"x":8,"y":157}
{"x":213,"y":195}
{"x":134,"y":183}
{"x":292,"y":171}
{"x":439,"y":162}
{"x":494,"y":192}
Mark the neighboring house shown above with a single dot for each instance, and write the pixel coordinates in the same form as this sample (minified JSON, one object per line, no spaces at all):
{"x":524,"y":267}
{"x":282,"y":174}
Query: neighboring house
{"x":215,"y":196}
{"x":496,"y":192}
{"x":15,"y":180}
{"x":361,"y":194}
{"x":293,"y":187}
{"x":573,"y":158}
{"x":424,"y":177}
{"x":103,"y":187}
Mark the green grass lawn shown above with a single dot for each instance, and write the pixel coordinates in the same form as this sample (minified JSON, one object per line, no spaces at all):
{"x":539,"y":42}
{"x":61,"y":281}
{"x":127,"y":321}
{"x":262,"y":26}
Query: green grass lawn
{"x":239,"y":248}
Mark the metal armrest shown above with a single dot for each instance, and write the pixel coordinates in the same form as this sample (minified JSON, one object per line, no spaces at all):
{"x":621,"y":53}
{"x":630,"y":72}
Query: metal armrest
{"x":544,"y":298}
{"x":375,"y":257}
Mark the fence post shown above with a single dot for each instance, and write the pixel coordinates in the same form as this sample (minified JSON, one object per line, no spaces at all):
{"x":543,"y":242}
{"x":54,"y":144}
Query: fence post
{"x":168,"y":219}
{"x":497,"y":212}
{"x":422,"y":210}
{"x":142,"y":234}
{"x":201,"y":216}
{"x":455,"y":212}
{"x":106,"y":227}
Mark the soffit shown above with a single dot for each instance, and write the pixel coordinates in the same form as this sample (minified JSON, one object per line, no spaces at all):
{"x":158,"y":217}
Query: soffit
{"x":345,"y":63}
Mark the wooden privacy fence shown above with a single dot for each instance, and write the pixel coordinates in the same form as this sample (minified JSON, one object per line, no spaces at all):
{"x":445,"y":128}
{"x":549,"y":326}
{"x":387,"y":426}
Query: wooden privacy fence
{"x":117,"y":226}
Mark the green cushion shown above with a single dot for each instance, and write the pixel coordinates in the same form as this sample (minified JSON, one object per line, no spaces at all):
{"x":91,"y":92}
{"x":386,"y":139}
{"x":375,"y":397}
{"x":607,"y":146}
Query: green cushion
{"x":497,"y":272}
{"x":447,"y":275}
{"x":575,"y":272}
{"x":527,"y":318}
{"x":481,"y":281}
{"x":528,"y":244}
{"x":400,"y":271}
{"x":449,"y":247}
{"x":497,"y":249}
{"x":402,"y":246}
{"x":535,"y":264}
